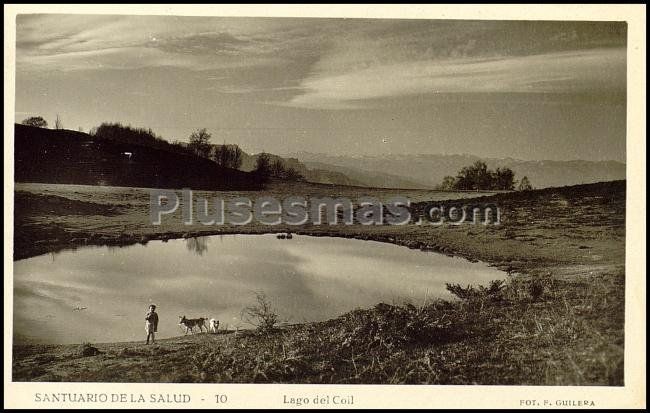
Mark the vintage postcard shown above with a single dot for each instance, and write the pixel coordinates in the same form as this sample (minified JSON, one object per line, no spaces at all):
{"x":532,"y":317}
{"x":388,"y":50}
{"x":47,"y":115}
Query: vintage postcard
{"x":324,"y":206}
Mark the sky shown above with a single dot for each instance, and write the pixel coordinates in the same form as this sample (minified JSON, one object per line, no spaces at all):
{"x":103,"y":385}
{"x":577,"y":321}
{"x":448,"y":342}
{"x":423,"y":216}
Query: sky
{"x":531,"y":90}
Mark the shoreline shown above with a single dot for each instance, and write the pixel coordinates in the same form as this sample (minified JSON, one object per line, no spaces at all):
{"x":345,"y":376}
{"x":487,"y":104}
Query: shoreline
{"x":571,"y":239}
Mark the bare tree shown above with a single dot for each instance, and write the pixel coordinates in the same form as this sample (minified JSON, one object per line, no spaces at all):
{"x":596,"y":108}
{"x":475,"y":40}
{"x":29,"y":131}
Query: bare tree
{"x":200,"y":142}
{"x":236,"y":158}
{"x":58,"y":124}
{"x":261,"y":315}
{"x":229,"y":156}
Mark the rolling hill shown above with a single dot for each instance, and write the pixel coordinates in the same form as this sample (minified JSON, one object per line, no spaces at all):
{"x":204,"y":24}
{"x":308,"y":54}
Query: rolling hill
{"x":69,"y":157}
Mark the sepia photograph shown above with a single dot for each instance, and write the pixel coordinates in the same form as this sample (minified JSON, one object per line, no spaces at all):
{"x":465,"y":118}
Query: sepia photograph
{"x":201,"y":199}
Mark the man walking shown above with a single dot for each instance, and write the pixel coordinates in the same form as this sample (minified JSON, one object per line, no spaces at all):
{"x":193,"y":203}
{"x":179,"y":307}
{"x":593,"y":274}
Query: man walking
{"x":151,"y":323}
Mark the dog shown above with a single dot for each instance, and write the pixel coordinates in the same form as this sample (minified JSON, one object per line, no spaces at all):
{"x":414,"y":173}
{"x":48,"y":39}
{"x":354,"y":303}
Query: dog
{"x":190,"y":323}
{"x":213,"y":325}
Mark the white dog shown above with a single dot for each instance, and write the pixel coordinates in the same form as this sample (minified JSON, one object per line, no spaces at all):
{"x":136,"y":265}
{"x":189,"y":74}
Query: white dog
{"x":213,"y":325}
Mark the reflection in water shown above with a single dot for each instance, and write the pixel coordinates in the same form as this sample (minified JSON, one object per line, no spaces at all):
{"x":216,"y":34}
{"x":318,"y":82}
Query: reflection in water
{"x":198,"y":245}
{"x":114,"y":248}
{"x":305,"y":279}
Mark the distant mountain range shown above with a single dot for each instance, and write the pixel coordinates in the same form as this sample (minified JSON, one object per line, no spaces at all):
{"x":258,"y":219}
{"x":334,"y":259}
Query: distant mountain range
{"x":323,"y":173}
{"x":427,"y":171}
{"x":63,"y":156}
{"x":313,"y":174}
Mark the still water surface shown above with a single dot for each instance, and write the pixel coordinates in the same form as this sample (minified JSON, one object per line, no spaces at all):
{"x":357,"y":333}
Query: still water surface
{"x":306,"y":279}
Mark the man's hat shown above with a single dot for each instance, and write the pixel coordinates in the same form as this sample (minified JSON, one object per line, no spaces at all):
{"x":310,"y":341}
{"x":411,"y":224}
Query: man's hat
{"x":152,"y":306}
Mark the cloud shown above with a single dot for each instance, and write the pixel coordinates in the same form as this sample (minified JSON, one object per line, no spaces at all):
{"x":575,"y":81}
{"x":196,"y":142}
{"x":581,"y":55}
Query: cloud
{"x":239,"y":90}
{"x":336,"y":63}
{"x":74,"y":42}
{"x":599,"y":70}
{"x":135,"y":58}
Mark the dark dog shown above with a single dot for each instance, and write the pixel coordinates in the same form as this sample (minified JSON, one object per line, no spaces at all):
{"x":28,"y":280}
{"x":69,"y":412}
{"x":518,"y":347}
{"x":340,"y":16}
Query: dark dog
{"x":190,"y":323}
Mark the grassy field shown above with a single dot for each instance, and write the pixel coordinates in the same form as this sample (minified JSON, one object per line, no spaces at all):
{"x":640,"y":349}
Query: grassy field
{"x":558,"y":320}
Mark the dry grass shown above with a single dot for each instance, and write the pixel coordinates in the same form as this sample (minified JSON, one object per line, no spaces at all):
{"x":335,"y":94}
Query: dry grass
{"x":504,"y":338}
{"x":557,"y":321}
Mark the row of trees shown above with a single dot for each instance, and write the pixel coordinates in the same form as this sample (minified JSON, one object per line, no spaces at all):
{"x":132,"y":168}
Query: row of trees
{"x":266,"y":167}
{"x":139,"y":136}
{"x":479,"y":177}
{"x":229,"y":156}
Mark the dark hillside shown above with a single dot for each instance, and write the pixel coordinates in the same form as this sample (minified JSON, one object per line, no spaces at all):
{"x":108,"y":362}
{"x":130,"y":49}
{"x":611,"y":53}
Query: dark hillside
{"x":69,"y":157}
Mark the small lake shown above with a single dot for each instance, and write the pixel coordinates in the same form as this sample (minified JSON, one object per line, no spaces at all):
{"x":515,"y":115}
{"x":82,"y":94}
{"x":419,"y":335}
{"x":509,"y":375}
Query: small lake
{"x":101,"y":294}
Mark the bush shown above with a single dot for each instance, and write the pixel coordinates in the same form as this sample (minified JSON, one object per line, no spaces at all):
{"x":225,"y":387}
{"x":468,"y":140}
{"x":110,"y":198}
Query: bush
{"x":536,"y":289}
{"x":261,"y":315}
{"x":36,"y":121}
{"x":464,"y":293}
{"x":448,"y":184}
{"x":493,"y":291}
{"x":87,"y":350}
{"x":478,"y":176}
{"x":525,"y":185}
{"x":392,"y":326}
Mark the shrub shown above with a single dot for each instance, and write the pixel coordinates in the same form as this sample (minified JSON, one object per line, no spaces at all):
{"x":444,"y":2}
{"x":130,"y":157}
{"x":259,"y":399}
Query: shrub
{"x":87,"y":350}
{"x":447,"y":184}
{"x":536,"y":289}
{"x":525,"y":185}
{"x":261,"y":315}
{"x":37,"y":121}
{"x":493,"y":291}
{"x":494,"y":288}
{"x":464,"y":293}
{"x":478,"y":176}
